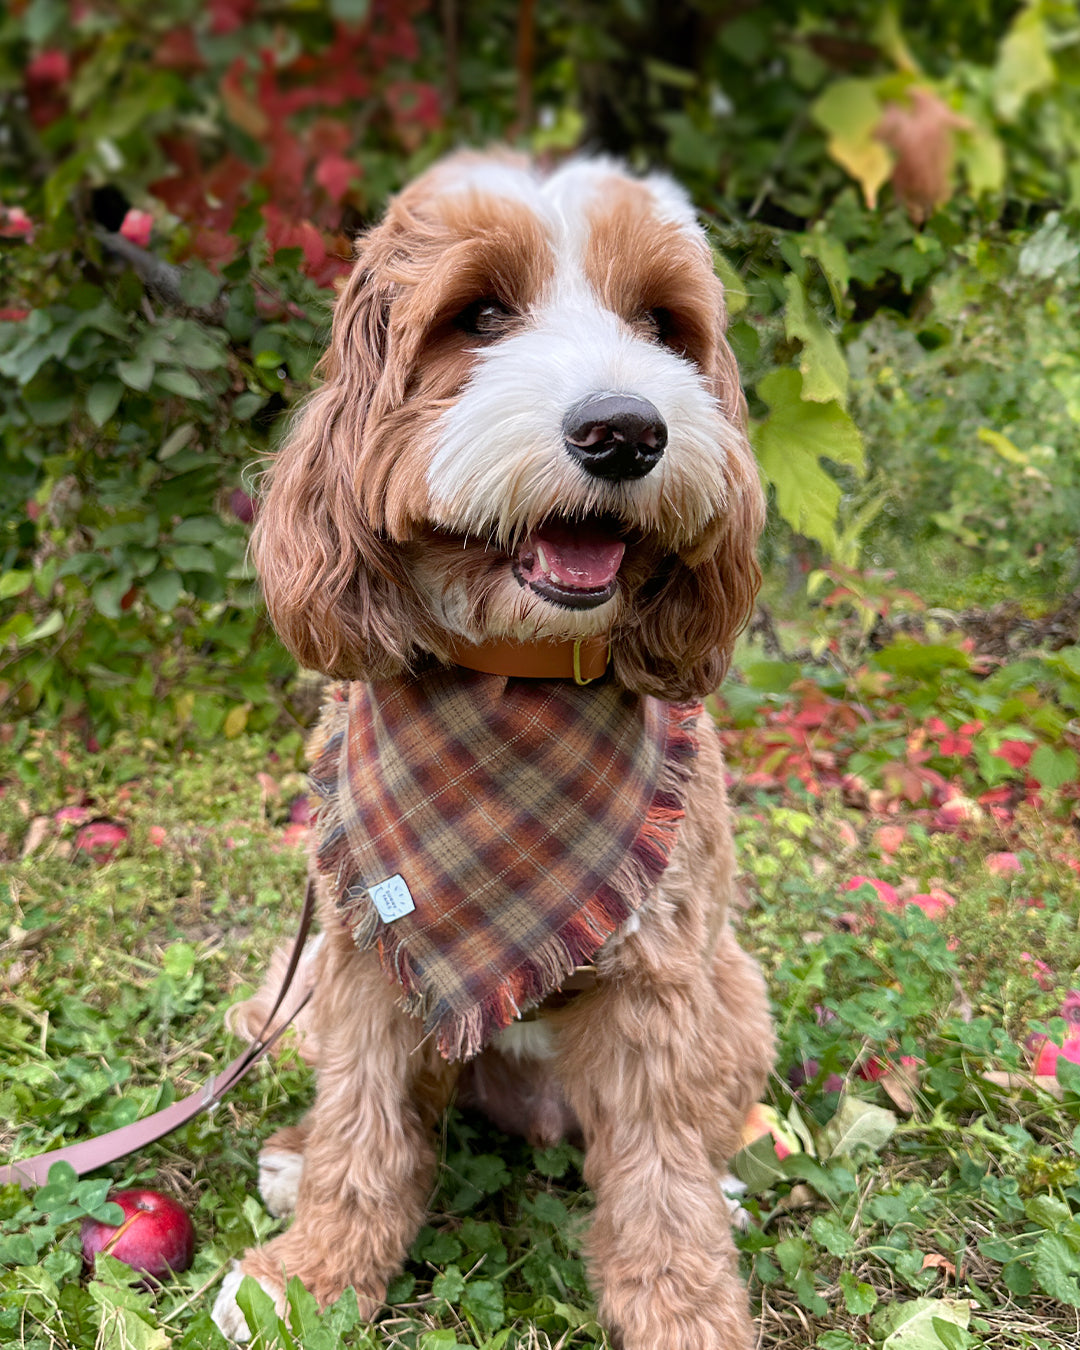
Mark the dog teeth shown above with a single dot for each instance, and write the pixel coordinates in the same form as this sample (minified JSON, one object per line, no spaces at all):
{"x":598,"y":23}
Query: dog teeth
{"x":545,"y":566}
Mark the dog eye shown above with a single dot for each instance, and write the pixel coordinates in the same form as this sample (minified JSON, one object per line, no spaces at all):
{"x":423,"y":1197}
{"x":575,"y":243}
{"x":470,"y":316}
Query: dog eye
{"x":657,"y":324}
{"x":486,"y":318}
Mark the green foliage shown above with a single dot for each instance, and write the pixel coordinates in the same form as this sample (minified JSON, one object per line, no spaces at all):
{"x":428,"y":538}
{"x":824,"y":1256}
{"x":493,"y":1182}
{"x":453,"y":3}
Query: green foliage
{"x":142,"y":375}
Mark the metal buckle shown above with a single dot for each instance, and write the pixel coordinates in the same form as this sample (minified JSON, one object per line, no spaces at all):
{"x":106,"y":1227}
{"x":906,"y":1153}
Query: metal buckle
{"x":577,"y":662}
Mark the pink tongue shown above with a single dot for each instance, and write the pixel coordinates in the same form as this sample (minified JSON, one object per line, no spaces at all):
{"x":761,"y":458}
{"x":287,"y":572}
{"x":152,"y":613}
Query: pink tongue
{"x":576,"y":557}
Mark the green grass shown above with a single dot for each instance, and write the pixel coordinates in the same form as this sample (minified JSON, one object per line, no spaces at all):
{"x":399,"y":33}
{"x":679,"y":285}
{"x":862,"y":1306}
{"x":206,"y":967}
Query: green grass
{"x":117,"y":972}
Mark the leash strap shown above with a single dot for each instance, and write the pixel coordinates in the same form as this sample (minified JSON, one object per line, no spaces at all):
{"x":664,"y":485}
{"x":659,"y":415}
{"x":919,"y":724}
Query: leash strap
{"x":90,"y":1154}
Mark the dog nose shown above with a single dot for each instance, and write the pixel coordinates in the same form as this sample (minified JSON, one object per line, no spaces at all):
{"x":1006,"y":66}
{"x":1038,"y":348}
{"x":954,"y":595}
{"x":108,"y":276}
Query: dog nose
{"x":615,"y":436}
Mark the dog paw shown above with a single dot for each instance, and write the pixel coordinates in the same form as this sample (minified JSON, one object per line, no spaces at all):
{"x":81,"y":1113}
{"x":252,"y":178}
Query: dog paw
{"x":279,"y":1180}
{"x":731,"y":1188}
{"x":226,"y":1314}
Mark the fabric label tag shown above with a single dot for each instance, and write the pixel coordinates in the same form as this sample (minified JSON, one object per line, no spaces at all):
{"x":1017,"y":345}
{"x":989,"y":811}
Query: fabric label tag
{"x":392,"y":898}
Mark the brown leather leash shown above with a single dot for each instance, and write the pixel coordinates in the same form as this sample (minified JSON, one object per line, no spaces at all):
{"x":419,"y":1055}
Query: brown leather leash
{"x":90,"y":1154}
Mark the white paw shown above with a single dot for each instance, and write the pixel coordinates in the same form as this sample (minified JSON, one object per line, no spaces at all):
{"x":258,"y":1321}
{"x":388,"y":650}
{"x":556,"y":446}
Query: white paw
{"x":279,"y":1180}
{"x":226,"y":1313}
{"x":731,"y":1188}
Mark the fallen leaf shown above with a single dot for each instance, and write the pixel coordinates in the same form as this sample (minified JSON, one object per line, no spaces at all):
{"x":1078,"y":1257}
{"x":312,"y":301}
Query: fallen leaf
{"x":35,"y":835}
{"x":857,"y":1124}
{"x":934,"y":1260}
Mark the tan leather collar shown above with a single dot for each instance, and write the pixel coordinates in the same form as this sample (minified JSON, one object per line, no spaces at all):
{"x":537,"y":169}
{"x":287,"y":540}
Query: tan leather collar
{"x":582,"y":660}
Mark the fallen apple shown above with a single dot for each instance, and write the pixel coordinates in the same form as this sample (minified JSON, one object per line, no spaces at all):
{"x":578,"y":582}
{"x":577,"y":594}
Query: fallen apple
{"x":1046,"y":1054}
{"x":156,"y":1237}
{"x":762,"y":1120}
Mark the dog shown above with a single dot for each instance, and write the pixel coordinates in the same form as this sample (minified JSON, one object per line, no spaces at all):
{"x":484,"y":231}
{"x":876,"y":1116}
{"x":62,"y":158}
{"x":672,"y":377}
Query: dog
{"x":525,"y":476}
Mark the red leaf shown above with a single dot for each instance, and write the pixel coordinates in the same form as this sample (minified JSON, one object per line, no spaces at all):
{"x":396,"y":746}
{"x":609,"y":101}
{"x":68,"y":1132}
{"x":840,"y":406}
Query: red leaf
{"x":1016,"y":753}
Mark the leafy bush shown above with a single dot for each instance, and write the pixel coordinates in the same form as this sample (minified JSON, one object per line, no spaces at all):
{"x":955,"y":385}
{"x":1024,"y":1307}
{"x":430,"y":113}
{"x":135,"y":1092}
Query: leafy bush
{"x":177,"y":192}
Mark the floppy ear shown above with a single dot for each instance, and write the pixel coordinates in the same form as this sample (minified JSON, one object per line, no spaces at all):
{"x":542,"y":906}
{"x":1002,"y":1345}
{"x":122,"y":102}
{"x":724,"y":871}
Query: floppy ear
{"x":337,"y":595}
{"x":687,"y":616}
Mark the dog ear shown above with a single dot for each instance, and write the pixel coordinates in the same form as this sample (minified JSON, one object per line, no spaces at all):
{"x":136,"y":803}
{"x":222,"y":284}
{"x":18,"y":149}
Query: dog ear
{"x":679,"y":639}
{"x":337,"y":594}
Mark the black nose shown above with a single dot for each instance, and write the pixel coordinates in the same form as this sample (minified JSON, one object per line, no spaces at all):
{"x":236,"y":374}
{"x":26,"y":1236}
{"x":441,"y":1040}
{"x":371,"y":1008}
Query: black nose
{"x":615,"y":436}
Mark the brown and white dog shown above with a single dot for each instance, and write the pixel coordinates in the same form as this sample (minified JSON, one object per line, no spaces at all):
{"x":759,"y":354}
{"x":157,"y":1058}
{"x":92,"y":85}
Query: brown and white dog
{"x":531,"y":429}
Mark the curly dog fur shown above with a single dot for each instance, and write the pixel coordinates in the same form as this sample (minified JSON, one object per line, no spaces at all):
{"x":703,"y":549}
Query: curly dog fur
{"x":444,"y":483}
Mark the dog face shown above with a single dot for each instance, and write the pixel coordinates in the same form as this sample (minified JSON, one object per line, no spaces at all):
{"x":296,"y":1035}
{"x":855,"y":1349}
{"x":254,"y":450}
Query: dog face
{"x":530,"y":427}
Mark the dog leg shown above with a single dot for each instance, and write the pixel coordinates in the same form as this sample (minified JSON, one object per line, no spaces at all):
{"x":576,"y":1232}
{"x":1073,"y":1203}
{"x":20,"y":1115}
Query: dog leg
{"x":281,"y":1160}
{"x":368,"y":1158}
{"x":660,"y":1077}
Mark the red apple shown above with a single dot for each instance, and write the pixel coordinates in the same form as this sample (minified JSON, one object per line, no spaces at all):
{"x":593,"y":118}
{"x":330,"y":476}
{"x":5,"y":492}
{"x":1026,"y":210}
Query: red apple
{"x":100,"y":839}
{"x":1047,"y":1054}
{"x":156,"y":1238}
{"x":764,"y":1120}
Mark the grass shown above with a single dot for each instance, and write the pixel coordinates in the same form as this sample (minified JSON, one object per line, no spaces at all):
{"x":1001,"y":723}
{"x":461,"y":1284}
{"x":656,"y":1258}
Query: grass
{"x":932,"y":1194}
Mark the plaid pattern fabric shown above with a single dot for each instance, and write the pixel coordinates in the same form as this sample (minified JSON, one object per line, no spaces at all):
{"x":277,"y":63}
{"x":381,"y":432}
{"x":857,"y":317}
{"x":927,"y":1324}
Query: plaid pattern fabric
{"x":528,"y":818}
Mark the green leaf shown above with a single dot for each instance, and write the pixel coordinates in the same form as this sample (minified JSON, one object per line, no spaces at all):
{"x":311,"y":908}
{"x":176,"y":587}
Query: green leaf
{"x":790,"y":444}
{"x":1050,"y":250}
{"x":831,"y":1233}
{"x":122,"y":1328}
{"x":46,"y":628}
{"x":164,"y":587}
{"x":109,"y":591}
{"x":192,"y":558}
{"x":401,"y":1288}
{"x":49,"y":399}
{"x":14,"y":583}
{"x":1054,"y":768}
{"x":199,"y":530}
{"x":303,"y":1309}
{"x":260,"y":1315}
{"x":821,"y":361}
{"x":1017,"y":1278}
{"x":734,"y":285}
{"x":757,"y":1166}
{"x":179,"y":382}
{"x":438,"y":1248}
{"x":199,"y":287}
{"x":832,"y":257}
{"x":859,"y":1298}
{"x":62,"y":1174}
{"x":450,"y":1284}
{"x":483,"y":1300}
{"x":17,"y":1249}
{"x":911,"y":1325}
{"x":982,"y":157}
{"x":102,"y":400}
{"x":176,"y":440}
{"x":1056,"y":1266}
{"x":137,"y":373}
{"x":1024,"y":65}
{"x":849,"y":111}
{"x":42,"y":18}
{"x":1000,"y":443}
{"x":857,"y":1124}
{"x":1047,"y":1212}
{"x":350,"y":11}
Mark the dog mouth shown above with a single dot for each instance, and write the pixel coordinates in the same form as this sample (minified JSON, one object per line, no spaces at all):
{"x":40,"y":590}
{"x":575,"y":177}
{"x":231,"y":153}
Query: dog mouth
{"x":574,"y":564}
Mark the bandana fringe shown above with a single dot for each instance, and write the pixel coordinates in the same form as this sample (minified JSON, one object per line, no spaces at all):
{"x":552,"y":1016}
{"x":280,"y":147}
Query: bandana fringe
{"x":461,"y":1033}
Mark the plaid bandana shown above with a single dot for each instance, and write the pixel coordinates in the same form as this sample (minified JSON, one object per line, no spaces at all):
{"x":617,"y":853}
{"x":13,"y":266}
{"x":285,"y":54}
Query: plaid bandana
{"x":488,"y":834}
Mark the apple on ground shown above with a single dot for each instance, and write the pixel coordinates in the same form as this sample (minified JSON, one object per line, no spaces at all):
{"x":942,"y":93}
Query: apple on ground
{"x":763,"y":1120}
{"x":1046,"y":1054}
{"x":156,"y":1238}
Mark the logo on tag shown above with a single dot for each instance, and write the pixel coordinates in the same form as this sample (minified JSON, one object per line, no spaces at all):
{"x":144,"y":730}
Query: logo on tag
{"x":392,"y":898}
